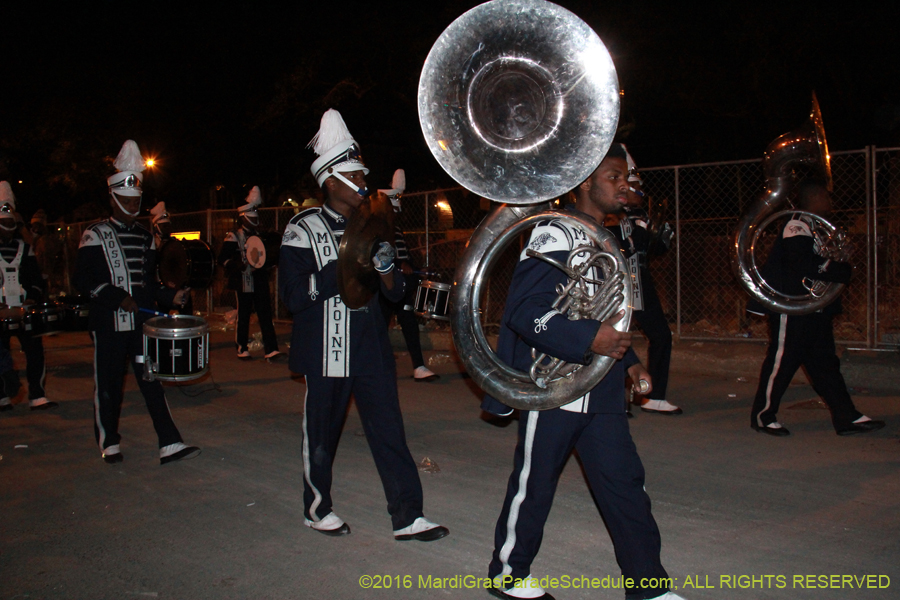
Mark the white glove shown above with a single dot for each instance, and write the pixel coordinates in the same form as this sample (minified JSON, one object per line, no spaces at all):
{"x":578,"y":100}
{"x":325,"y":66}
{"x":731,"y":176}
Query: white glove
{"x":384,"y":258}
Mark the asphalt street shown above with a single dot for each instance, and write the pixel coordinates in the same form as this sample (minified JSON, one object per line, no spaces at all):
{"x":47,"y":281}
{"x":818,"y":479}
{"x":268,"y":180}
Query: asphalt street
{"x":742,"y":515}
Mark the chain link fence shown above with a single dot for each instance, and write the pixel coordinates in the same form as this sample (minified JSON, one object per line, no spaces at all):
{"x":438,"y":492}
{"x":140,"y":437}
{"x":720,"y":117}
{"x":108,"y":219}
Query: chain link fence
{"x":697,"y":288}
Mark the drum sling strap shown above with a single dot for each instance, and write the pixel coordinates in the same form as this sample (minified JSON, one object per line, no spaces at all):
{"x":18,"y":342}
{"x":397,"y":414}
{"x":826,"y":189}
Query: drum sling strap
{"x":336,"y":315}
{"x":247,"y":273}
{"x":12,"y":294}
{"x":118,"y":271}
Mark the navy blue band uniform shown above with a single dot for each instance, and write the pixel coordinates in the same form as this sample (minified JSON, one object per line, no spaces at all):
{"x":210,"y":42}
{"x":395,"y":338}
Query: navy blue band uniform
{"x":251,"y":286}
{"x":113,"y":262}
{"x":595,"y":425}
{"x":22,"y":281}
{"x":801,"y":340}
{"x":405,"y":318}
{"x":343,"y":351}
{"x":632,"y":232}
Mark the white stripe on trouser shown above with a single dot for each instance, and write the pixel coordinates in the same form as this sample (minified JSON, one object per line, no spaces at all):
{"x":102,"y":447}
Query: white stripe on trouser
{"x":782,"y":331}
{"x":317,"y":497}
{"x":517,"y":500}
{"x":97,"y":397}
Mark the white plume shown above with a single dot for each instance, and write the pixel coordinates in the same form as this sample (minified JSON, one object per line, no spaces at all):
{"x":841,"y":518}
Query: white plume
{"x":399,"y":181}
{"x":129,"y":158}
{"x":6,"y":194}
{"x":254,"y":197}
{"x":332,"y":131}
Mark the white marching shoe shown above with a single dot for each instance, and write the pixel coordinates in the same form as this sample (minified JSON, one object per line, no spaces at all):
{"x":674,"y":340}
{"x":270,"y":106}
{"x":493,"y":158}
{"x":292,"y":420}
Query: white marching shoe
{"x":330,"y":524}
{"x":661,"y":407}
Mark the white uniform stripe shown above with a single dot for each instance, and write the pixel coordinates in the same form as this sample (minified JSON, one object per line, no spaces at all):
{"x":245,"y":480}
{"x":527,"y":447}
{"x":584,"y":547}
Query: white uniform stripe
{"x":97,"y":397}
{"x":517,"y":500}
{"x":317,"y":496}
{"x":782,"y":331}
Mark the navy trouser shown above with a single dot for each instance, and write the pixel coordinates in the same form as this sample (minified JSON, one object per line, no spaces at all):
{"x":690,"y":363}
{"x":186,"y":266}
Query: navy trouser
{"x":324,"y":412}
{"x":807,"y":341}
{"x":406,"y":319}
{"x":653,"y":323}
{"x":616,"y":477}
{"x":35,"y":371}
{"x":261,"y":301}
{"x":111,"y":351}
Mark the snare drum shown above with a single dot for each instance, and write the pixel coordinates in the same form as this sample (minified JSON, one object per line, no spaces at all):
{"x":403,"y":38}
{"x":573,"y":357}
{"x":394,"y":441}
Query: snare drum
{"x":11,"y":318}
{"x":76,"y":310}
{"x":262,"y":250}
{"x":433,"y":300}
{"x":186,"y":263}
{"x":176,"y":348}
{"x":43,"y":319}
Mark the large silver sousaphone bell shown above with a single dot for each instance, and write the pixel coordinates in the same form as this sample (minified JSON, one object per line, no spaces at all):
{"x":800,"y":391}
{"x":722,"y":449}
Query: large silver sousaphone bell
{"x":519,"y":103}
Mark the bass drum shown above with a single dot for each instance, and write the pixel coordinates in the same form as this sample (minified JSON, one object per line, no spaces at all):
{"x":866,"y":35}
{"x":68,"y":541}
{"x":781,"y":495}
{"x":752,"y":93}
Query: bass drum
{"x":176,"y":348}
{"x":186,"y":263}
{"x":262,"y":250}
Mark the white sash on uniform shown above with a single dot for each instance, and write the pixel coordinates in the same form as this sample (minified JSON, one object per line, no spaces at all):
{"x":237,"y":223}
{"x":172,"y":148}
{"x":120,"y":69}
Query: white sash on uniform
{"x":118,"y":269}
{"x":336,"y":316}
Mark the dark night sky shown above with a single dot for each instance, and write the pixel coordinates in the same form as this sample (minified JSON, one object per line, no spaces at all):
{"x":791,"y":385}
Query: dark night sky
{"x":230,"y":94}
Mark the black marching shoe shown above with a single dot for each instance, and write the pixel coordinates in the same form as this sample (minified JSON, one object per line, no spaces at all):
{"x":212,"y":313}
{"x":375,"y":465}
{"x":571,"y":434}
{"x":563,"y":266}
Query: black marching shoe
{"x":111,"y":455}
{"x":863,"y":427}
{"x":421,"y":530}
{"x":177,"y":451}
{"x":332,"y":525}
{"x":775,"y":428}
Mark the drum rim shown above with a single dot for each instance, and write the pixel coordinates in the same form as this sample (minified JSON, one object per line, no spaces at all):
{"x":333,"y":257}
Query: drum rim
{"x":435,"y":285}
{"x":171,"y":333}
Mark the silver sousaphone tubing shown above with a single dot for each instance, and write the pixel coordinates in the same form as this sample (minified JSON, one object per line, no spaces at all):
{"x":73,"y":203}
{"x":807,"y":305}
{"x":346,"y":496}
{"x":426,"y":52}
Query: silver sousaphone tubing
{"x":519,"y":103}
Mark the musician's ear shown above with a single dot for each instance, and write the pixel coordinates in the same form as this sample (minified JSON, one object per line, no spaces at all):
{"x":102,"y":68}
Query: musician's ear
{"x":586,"y":184}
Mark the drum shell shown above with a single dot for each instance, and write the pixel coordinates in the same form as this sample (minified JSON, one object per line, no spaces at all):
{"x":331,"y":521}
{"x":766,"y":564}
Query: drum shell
{"x":186,"y":263}
{"x":43,"y":319}
{"x":76,"y":313}
{"x":11,"y":319}
{"x":178,"y":346}
{"x":271,"y":242}
{"x":433,"y":300}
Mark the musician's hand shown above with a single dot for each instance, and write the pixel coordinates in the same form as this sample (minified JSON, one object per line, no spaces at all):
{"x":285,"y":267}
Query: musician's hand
{"x":128,"y":304}
{"x":406,"y":269}
{"x":638,"y":373}
{"x":383,"y":259}
{"x":609,"y":341}
{"x":181,"y":297}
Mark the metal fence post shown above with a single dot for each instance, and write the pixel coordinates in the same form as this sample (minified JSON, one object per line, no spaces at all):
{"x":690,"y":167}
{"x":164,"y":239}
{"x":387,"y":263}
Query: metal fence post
{"x":427,"y":239}
{"x":872,"y":253}
{"x":677,"y":254}
{"x":209,"y":290}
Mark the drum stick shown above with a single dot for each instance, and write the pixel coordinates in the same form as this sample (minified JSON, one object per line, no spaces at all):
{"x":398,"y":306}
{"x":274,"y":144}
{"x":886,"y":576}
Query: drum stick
{"x":153,"y":312}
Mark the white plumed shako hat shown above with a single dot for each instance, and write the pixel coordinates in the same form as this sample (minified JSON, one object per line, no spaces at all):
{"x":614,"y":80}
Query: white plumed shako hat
{"x":130,"y":166}
{"x":158,"y":213}
{"x":254,"y":199}
{"x":338,"y":152}
{"x":7,"y":199}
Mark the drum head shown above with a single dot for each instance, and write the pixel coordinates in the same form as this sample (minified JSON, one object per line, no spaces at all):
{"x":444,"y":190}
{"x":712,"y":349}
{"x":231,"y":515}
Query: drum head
{"x":256,"y":252}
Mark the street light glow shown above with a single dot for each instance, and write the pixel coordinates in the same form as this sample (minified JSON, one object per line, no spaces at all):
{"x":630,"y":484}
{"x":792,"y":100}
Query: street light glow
{"x":150,"y":162}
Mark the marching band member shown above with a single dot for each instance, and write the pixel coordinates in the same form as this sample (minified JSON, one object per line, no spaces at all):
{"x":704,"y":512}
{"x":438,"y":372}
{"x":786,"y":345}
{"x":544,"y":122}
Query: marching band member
{"x":162,"y":233}
{"x":803,"y":340}
{"x":594,"y":424}
{"x":343,"y":351}
{"x":116,"y":268}
{"x":251,"y":286}
{"x":632,"y":231}
{"x":22,"y":283}
{"x":405,"y":317}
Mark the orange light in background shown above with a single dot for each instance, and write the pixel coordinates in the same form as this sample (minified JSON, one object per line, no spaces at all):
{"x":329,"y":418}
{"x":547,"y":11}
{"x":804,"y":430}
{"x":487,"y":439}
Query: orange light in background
{"x":151,"y":162}
{"x":187,"y":235}
{"x":443,"y":145}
